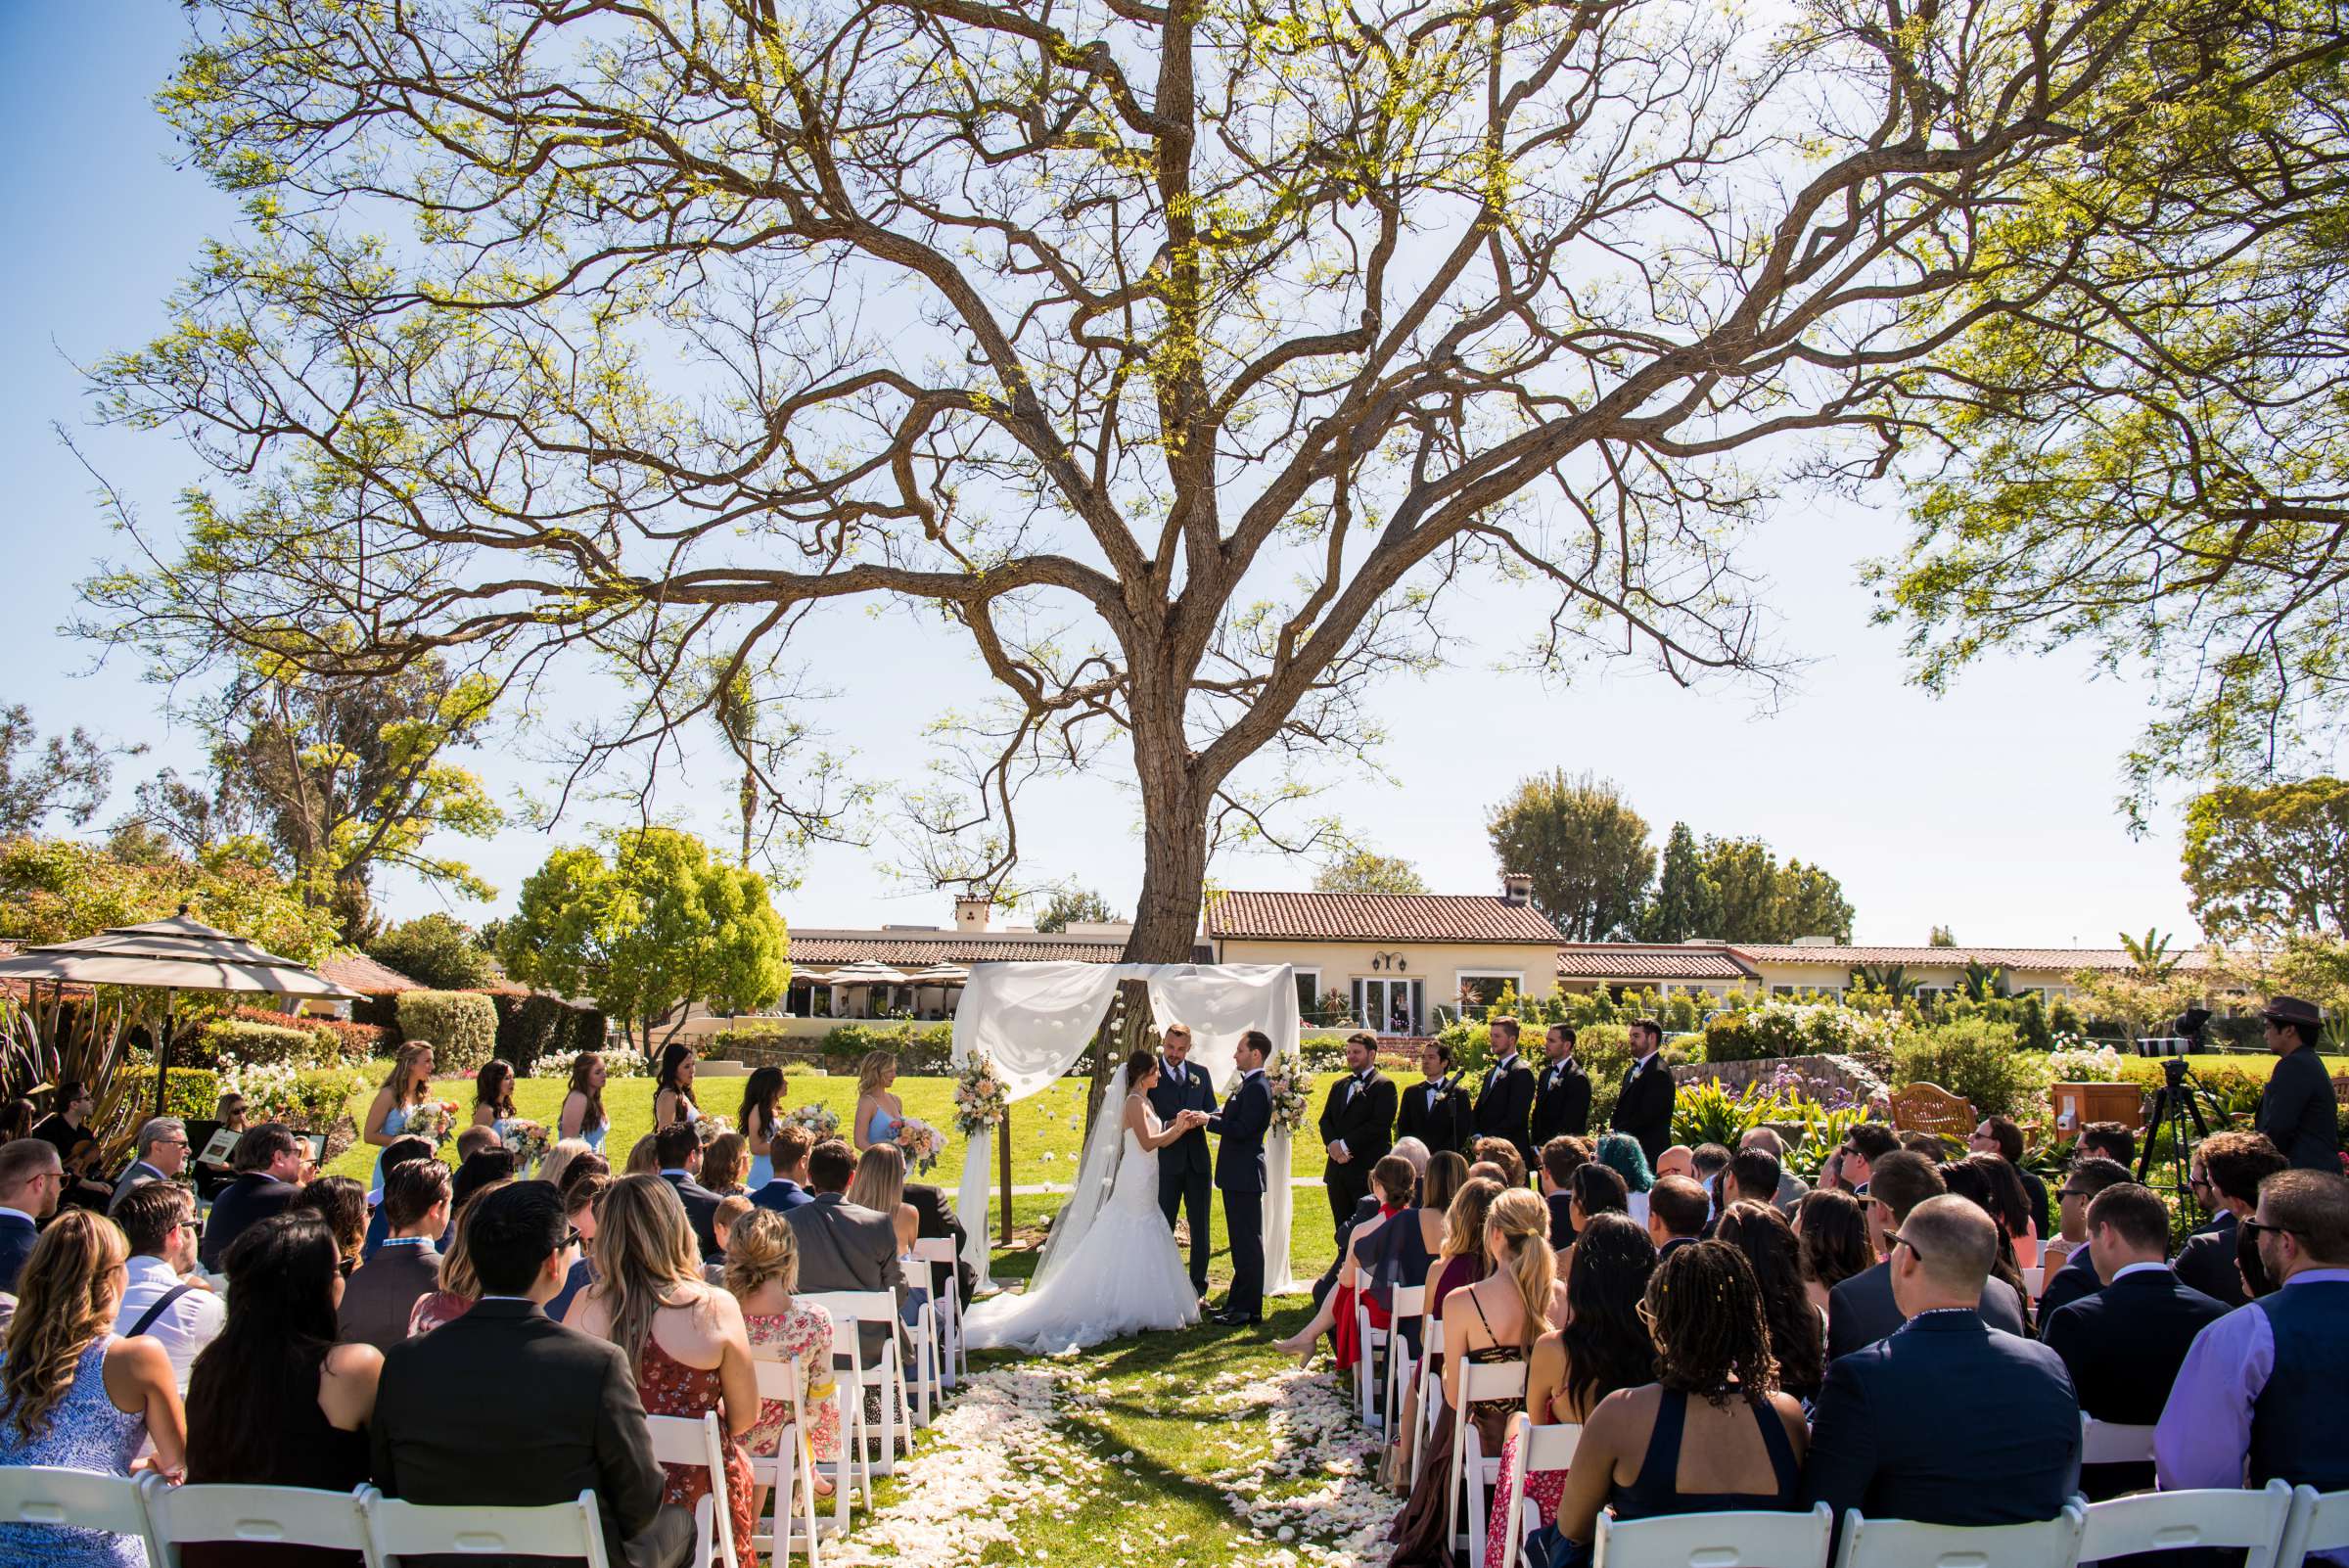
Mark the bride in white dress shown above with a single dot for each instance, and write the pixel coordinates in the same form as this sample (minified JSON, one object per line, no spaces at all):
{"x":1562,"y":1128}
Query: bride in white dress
{"x":1108,"y":1272}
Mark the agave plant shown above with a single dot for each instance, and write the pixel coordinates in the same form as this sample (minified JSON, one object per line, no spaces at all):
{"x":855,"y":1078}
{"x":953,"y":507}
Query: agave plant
{"x":47,"y":1038}
{"x":1982,"y":982}
{"x":1890,"y":980}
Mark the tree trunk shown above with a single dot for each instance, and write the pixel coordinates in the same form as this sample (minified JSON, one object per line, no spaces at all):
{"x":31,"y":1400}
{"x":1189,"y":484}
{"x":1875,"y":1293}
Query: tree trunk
{"x":1166,"y":916}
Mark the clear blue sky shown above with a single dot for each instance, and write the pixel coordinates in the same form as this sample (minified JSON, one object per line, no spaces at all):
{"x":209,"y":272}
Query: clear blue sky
{"x":1991,"y":810}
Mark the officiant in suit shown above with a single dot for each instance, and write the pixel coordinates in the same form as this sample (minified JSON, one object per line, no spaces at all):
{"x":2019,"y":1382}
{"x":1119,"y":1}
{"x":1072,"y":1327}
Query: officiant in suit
{"x":1357,"y":1123}
{"x":1504,"y":1106}
{"x":1240,"y":1177}
{"x":1436,"y":1110}
{"x":1186,"y":1166}
{"x":1562,"y":1095}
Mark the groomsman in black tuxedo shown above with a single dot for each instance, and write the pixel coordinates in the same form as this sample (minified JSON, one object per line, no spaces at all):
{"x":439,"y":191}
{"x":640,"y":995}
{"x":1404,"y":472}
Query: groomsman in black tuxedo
{"x":1562,"y":1097}
{"x":1504,"y":1106}
{"x":1644,"y":1107}
{"x":1357,"y":1123}
{"x":1186,"y":1168}
{"x":1240,"y":1177}
{"x":1436,"y":1110}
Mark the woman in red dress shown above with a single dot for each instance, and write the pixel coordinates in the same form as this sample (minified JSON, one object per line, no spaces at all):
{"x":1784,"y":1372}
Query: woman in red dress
{"x":684,"y":1337}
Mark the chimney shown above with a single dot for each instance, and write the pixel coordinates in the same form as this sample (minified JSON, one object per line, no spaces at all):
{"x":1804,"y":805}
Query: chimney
{"x":971,"y":911}
{"x":1517,"y":887}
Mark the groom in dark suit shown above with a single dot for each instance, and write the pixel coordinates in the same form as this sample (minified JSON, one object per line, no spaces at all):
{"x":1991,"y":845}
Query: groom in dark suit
{"x":1240,"y":1177}
{"x":1358,"y":1125}
{"x":1186,"y":1168}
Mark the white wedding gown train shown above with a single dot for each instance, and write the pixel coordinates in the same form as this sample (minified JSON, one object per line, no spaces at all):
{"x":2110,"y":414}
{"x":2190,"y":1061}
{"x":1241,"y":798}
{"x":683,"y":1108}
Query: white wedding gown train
{"x":1124,"y":1275}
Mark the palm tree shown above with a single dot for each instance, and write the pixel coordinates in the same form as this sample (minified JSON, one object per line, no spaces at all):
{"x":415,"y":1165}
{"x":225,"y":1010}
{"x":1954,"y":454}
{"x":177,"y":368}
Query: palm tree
{"x":2151,"y":955}
{"x":1982,"y":982}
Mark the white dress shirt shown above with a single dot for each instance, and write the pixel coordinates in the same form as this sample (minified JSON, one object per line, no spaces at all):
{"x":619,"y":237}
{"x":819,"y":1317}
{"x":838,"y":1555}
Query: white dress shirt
{"x":185,"y":1327}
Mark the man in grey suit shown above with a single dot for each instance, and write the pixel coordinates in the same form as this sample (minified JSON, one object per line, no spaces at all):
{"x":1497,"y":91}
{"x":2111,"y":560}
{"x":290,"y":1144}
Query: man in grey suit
{"x":162,"y":1148}
{"x":1862,"y":1310}
{"x":843,"y":1245}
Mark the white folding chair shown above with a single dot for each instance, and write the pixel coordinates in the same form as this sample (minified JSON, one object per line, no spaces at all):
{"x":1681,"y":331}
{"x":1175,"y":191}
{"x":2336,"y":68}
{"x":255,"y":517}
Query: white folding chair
{"x":954,"y":1359}
{"x":402,"y":1529}
{"x":1405,"y":1308}
{"x":1368,"y":1341}
{"x":2034,"y":1278}
{"x":1430,"y":1391}
{"x":683,"y":1440}
{"x":2111,"y":1443}
{"x":1904,"y":1543}
{"x":2250,"y":1522}
{"x":789,"y":1473}
{"x":1740,"y":1538}
{"x":2320,"y":1522}
{"x":1539,"y":1448}
{"x":50,"y":1495}
{"x":252,"y":1515}
{"x":927,"y":1388}
{"x":1472,"y":1473}
{"x":849,"y":1308}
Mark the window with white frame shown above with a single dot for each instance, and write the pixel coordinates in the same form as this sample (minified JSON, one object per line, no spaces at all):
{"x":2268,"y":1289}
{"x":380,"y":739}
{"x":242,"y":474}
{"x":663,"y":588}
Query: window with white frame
{"x":1480,"y":988}
{"x":1309,"y":998}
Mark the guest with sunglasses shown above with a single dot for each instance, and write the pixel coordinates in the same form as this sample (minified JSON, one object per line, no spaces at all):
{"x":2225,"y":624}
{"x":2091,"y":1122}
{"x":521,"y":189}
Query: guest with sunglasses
{"x":1865,"y":1307}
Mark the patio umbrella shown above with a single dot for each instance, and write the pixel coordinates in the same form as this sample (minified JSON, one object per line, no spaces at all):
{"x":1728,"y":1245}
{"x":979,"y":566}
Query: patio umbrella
{"x":175,"y":955}
{"x":868,"y":972}
{"x":940,"y":975}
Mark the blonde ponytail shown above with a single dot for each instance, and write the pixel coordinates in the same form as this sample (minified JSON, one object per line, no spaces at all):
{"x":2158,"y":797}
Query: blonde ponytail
{"x":1521,"y":1220}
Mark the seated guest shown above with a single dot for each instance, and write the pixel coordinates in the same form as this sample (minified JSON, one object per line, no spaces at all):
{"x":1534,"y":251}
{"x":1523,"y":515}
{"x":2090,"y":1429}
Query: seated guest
{"x":1989,"y":1184}
{"x":67,"y":1128}
{"x":270,"y":1160}
{"x":644,"y":1157}
{"x":1833,"y":1231}
{"x":934,"y":1220}
{"x":845,"y":1247}
{"x":723,"y":1162}
{"x":679,"y":1150}
{"x":789,"y":1189}
{"x":2227,"y":1168}
{"x":342,"y":1203}
{"x":1945,"y":1422}
{"x":1677,"y":1211}
{"x":2259,"y":1398}
{"x":1391,"y":1184}
{"x":582,"y":1197}
{"x":1408,"y":1251}
{"x":1864,"y":1308}
{"x":1676,"y":1159}
{"x":31,"y":1179}
{"x":2107,"y":1140}
{"x":1864,"y":1145}
{"x":163,"y":1149}
{"x":2060,"y":1287}
{"x":2002,"y":1136}
{"x":684,"y":1338}
{"x":879,"y":1184}
{"x":475,"y":1141}
{"x":579,"y":1169}
{"x":558,"y":1157}
{"x":1562,"y":1157}
{"x":460,"y":1283}
{"x":1739,"y":1433}
{"x":1752,"y":1177}
{"x":158,"y":1299}
{"x":581,"y":1427}
{"x":72,"y":1394}
{"x":399,"y":1151}
{"x":1503,"y":1153}
{"x":762,"y":1265}
{"x":1797,"y":1336}
{"x":1791,"y":1187}
{"x":1621,"y":1153}
{"x":1592,"y":1190}
{"x":1460,"y":1262}
{"x":1603,"y":1346}
{"x":1706,"y":1163}
{"x":2123,"y":1346}
{"x":275,"y":1401}
{"x":383,"y":1292}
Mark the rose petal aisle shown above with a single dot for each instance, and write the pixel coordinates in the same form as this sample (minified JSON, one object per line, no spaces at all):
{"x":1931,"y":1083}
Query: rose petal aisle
{"x":1312,"y":1498}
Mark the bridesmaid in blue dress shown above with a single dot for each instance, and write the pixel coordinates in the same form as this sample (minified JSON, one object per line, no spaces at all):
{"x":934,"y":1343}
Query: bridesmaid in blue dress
{"x":674,"y":1100}
{"x":583,"y":1115}
{"x":877,"y":1111}
{"x":397,"y":1101}
{"x":66,"y":1304}
{"x":493,"y":1101}
{"x":761,"y":1096}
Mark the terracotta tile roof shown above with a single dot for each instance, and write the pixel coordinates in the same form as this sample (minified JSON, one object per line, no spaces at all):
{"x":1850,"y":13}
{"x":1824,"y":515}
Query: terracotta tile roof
{"x":813,"y":948}
{"x":1624,"y":960}
{"x":362,"y":973}
{"x":2062,"y":959}
{"x":1376,"y":917}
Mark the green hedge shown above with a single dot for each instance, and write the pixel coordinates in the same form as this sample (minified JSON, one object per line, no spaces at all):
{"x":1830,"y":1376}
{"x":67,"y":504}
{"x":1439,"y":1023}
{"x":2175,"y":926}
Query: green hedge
{"x":462,"y":1026}
{"x":534,"y":1027}
{"x":228,"y":1041}
{"x":1974,"y":1058}
{"x":192,"y":1093}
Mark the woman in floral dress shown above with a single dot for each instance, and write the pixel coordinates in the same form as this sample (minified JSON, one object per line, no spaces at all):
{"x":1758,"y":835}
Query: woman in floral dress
{"x":684,"y":1337}
{"x":762,"y":1265}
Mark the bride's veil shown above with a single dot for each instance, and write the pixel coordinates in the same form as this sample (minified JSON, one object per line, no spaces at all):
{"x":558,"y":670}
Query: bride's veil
{"x":1097,"y":1170}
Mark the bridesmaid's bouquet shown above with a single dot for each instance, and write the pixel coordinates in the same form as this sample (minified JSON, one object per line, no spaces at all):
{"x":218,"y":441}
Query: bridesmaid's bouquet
{"x":1292,"y":1093}
{"x":920,"y":1144}
{"x":980,"y":1099}
{"x":527,"y":1142}
{"x":708,"y":1129}
{"x":430,"y":1118}
{"x":820,"y":1121}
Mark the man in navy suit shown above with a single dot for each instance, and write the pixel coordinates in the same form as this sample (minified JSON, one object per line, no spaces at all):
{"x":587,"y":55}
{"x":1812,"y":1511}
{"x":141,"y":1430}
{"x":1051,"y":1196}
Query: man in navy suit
{"x":1945,"y":1422}
{"x":1240,"y":1177}
{"x":1504,"y":1105}
{"x":31,"y":1178}
{"x":2123,"y":1346}
{"x":2227,"y":1168}
{"x":678,"y":1148}
{"x":1865,"y":1307}
{"x":2088,"y":1175}
{"x":1186,"y":1166}
{"x":788,"y":1157}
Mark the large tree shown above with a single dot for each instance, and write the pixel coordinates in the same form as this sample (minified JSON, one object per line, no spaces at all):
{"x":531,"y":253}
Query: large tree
{"x":1067,"y":904}
{"x":68,"y":773}
{"x":1585,"y":848}
{"x":1177,"y":355}
{"x":1361,"y":870}
{"x":2270,"y":862}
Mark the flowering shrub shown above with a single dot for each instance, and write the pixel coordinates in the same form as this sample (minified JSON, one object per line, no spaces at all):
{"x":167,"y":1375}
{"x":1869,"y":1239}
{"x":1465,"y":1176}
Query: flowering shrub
{"x":306,"y":1101}
{"x":979,"y":1098}
{"x":2075,"y":1061}
{"x":1292,"y":1093}
{"x":1794,"y":1029}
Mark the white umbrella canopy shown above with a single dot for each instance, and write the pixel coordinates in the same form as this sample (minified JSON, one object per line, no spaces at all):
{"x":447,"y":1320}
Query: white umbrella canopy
{"x":868,"y":972}
{"x":940,"y":975}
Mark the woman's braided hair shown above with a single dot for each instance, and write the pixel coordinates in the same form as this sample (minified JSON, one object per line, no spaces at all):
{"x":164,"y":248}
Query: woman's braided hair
{"x":1704,"y":1309}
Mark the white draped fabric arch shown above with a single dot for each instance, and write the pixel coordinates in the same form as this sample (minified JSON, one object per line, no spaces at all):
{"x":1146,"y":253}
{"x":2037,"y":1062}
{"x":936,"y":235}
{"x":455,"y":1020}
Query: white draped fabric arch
{"x":1036,"y":1020}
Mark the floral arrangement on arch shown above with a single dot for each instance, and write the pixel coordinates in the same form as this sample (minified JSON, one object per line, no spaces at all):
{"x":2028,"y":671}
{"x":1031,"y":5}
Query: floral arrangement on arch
{"x":820,"y":1121}
{"x":980,"y":1101}
{"x":920,"y":1144}
{"x":1292,"y":1091}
